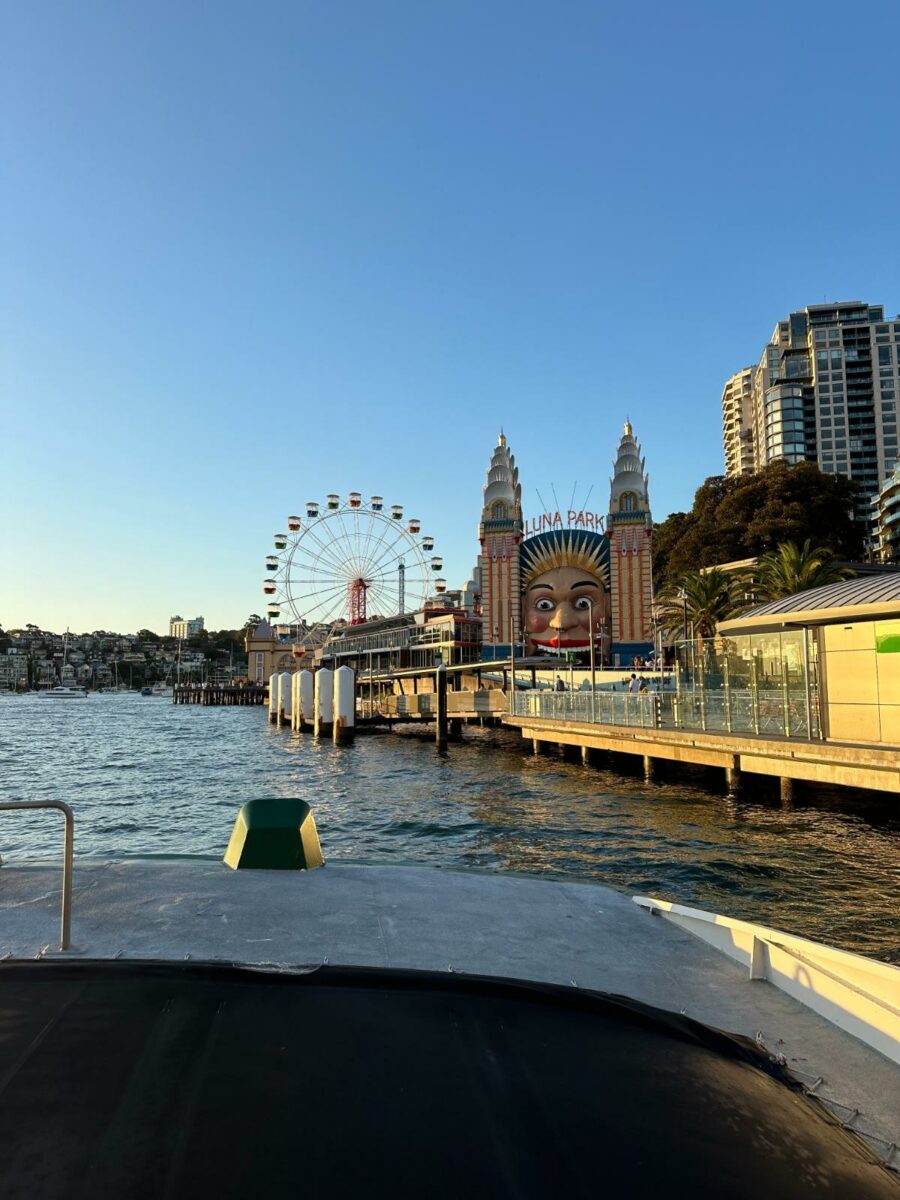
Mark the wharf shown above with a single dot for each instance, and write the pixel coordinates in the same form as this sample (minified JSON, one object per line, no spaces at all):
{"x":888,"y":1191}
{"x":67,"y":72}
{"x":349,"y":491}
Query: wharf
{"x":575,"y":934}
{"x":789,"y":759}
{"x":219,"y":694}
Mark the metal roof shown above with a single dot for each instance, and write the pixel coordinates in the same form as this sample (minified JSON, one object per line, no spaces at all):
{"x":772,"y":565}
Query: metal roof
{"x":870,"y":589}
{"x":867,"y":596}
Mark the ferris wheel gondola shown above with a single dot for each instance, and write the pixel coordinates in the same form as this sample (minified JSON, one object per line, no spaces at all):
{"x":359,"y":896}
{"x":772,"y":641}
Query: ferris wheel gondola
{"x":346,"y":562}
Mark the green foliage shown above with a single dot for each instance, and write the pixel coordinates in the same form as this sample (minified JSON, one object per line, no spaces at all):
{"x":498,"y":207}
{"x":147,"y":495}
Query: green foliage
{"x":700,"y":600}
{"x":792,"y":568}
{"x":734,"y":518}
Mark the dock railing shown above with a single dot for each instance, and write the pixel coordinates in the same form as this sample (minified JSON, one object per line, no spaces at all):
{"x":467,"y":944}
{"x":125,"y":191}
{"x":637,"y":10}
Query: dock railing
{"x":773,"y":712}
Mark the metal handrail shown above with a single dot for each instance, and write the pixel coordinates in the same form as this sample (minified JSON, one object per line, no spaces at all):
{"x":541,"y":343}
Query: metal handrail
{"x":65,"y":933}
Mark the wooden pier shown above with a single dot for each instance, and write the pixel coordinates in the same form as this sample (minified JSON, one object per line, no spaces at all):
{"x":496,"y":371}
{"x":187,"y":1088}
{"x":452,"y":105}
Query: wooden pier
{"x":220,"y":694}
{"x":449,"y":699}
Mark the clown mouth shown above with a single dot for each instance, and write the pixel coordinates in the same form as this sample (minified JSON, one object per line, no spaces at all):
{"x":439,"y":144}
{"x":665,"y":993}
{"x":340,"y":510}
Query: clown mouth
{"x":561,"y":643}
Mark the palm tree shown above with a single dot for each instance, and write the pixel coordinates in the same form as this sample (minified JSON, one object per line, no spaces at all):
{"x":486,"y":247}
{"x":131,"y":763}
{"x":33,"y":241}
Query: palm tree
{"x":701,"y":599}
{"x":792,"y":568}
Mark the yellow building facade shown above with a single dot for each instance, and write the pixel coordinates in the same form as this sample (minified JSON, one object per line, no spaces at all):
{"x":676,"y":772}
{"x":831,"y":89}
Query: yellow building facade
{"x":852,"y":630}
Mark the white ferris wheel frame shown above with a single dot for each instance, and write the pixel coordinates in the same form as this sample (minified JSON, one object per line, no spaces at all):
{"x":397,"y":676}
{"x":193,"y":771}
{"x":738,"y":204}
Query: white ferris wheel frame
{"x":317,"y":568}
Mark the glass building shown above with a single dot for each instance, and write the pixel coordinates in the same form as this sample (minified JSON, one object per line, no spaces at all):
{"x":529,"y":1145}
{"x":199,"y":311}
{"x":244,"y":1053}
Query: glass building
{"x":824,"y":390}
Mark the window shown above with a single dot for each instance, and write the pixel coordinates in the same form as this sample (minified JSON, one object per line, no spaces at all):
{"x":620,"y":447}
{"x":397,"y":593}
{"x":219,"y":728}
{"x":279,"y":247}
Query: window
{"x":498,"y":511}
{"x":835,"y":359}
{"x":885,"y":356}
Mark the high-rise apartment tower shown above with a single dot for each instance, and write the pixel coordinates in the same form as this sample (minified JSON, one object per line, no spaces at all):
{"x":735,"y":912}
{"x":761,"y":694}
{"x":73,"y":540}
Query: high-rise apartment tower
{"x":825,"y":391}
{"x":737,"y":423}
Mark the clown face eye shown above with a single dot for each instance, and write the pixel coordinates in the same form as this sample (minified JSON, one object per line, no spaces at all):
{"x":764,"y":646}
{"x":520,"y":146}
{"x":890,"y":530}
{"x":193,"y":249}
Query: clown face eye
{"x":582,"y":602}
{"x":545,"y":604}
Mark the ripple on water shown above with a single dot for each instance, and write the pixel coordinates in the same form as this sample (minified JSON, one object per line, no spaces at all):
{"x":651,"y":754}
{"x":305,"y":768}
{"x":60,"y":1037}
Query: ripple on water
{"x":164,"y":780}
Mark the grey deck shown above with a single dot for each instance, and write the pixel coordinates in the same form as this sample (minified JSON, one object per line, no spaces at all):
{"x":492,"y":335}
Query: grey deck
{"x":492,"y":924}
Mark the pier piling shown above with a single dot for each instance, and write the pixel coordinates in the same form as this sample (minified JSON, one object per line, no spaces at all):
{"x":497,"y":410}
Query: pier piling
{"x":344,"y":706}
{"x":440,"y":708}
{"x":324,"y":702}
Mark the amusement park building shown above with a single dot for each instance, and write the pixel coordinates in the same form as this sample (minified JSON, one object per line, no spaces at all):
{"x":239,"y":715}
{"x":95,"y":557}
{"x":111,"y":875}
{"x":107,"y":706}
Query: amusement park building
{"x":436,"y":634}
{"x":439,"y":633}
{"x":614,"y":555}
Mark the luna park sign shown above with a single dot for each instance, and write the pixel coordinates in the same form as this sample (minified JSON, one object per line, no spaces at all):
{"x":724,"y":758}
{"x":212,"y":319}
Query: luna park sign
{"x":558,"y":520}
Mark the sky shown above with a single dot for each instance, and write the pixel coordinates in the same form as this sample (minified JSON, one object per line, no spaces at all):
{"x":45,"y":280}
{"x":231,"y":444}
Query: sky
{"x":252,"y":253}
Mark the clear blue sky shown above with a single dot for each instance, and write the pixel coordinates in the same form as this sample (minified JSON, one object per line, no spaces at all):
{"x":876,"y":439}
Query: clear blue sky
{"x":253,"y":253}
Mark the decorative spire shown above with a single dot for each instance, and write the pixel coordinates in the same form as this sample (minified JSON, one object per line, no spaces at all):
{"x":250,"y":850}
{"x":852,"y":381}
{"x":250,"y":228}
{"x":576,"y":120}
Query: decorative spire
{"x":502,"y":487}
{"x":629,"y":486}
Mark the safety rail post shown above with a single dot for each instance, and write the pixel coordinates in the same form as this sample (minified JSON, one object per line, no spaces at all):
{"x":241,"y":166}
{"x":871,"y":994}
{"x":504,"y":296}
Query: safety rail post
{"x":65,"y":938}
{"x":726,"y":687}
{"x":700,"y":678}
{"x":754,"y":695}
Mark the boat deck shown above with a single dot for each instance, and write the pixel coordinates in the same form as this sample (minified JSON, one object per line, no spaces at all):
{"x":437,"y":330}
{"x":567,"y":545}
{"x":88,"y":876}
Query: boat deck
{"x":574,"y":934}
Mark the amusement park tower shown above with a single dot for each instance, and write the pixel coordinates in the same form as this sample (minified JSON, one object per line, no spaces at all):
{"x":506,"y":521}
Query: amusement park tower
{"x":630,"y":528}
{"x":500,"y":533}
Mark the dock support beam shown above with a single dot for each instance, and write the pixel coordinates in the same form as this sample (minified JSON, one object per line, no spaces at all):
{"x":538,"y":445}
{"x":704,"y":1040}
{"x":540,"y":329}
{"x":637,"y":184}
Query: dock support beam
{"x":786,"y":790}
{"x":586,"y":756}
{"x":440,"y":713}
{"x":649,"y":768}
{"x":733,"y":780}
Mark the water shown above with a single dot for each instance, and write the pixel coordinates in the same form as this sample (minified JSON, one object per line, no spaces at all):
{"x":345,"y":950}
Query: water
{"x":150,"y":779}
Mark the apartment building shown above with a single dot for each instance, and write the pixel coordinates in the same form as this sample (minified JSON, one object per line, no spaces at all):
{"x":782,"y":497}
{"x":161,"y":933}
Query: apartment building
{"x":887,"y":518}
{"x":824,"y":390}
{"x":181,"y":628}
{"x":737,"y":423}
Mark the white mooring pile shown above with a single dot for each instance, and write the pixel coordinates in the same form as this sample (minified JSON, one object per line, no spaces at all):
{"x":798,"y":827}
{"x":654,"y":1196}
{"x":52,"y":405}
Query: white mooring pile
{"x":323,"y":701}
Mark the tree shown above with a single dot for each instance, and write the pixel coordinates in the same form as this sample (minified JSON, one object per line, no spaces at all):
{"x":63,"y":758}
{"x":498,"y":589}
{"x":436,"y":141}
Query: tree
{"x":792,"y":568}
{"x":252,"y":621}
{"x":748,"y":515}
{"x":700,"y":600}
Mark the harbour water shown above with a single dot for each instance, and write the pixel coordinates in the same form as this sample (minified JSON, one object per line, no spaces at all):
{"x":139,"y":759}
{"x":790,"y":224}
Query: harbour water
{"x":149,"y":779}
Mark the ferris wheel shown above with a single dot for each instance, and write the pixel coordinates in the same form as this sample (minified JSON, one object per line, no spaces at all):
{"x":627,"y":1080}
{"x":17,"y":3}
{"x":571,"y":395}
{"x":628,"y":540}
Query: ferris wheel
{"x":347,"y":562}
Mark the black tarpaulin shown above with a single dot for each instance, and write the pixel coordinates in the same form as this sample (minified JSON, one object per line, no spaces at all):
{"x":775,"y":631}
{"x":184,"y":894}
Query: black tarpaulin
{"x":130,"y":1079}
